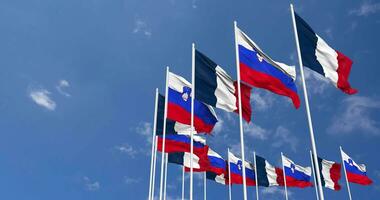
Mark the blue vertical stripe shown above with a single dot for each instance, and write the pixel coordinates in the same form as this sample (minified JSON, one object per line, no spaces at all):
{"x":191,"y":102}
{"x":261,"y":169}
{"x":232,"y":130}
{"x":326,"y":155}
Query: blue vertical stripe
{"x":205,"y":79}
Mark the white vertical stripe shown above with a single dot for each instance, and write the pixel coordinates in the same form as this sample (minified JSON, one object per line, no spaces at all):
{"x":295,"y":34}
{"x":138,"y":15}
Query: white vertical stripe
{"x":326,"y":167}
{"x":186,"y":160}
{"x":271,"y":174}
{"x":225,"y":91}
{"x":220,"y":179}
{"x":328,"y":58}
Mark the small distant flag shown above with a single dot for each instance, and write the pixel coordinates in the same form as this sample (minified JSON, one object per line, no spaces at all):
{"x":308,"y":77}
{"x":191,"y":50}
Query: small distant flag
{"x":236,"y":169}
{"x":184,"y":159}
{"x":268,"y":175}
{"x":179,"y":106}
{"x":215,"y":87}
{"x":330,"y":172}
{"x":259,"y":70}
{"x":356,"y":173}
{"x":321,"y":58}
{"x":221,"y":178}
{"x":296,"y":175}
{"x":181,"y":143}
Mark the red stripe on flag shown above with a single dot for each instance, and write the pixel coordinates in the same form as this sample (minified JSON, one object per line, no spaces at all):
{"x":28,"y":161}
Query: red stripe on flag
{"x":245,"y":100}
{"x":359,"y":179}
{"x":335,"y":175}
{"x":292,"y":182}
{"x":344,"y":68}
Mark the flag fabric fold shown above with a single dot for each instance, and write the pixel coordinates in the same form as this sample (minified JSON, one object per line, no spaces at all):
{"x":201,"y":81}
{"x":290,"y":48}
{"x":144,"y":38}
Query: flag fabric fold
{"x":321,"y":58}
{"x":268,"y":175}
{"x":330,"y":172}
{"x":259,"y":70}
{"x":184,"y":159}
{"x":236,"y":167}
{"x":356,"y":173}
{"x":296,"y":175}
{"x":217,"y":178}
{"x":181,"y":143}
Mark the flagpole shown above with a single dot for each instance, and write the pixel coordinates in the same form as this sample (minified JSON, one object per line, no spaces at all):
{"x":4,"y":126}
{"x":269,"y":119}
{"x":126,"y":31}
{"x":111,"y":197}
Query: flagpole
{"x":183,"y":182}
{"x":345,"y":173}
{"x":315,"y":180}
{"x":164,"y":132}
{"x":313,"y":145}
{"x":240,"y":113}
{"x":154,"y":166}
{"x":256,"y":178}
{"x":153,"y":144}
{"x":229,"y":175}
{"x":192,"y":117}
{"x":283,"y":172}
{"x":205,"y":187}
{"x":166,"y":174}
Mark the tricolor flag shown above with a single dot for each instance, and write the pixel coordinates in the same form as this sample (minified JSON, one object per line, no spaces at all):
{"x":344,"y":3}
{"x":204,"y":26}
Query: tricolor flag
{"x":215,"y":87}
{"x":330,"y":172}
{"x":356,"y":173}
{"x":259,"y":70}
{"x":296,"y":175}
{"x":268,"y":175}
{"x":236,"y":166}
{"x":221,"y":178}
{"x":321,"y":58}
{"x":179,"y":106}
{"x":181,"y":143}
{"x":216,"y":163}
{"x":184,"y":159}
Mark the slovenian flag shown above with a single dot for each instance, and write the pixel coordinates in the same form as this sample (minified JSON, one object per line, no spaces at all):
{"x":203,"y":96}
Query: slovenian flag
{"x":184,"y":159}
{"x":259,"y":70}
{"x":179,"y":106}
{"x":236,"y":167}
{"x":330,"y":172}
{"x":321,"y":58}
{"x":296,"y":175}
{"x":267,"y":174}
{"x":216,"y":88}
{"x":356,"y":173}
{"x":181,"y":143}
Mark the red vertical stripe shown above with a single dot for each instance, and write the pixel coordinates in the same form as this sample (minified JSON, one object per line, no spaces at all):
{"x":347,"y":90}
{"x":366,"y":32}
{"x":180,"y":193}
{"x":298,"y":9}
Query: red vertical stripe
{"x":335,"y":175}
{"x":344,"y":68}
{"x":245,"y":101}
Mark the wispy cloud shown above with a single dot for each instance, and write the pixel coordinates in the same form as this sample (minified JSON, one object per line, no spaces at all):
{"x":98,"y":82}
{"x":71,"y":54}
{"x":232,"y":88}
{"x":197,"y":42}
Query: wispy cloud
{"x":366,"y":8}
{"x":355,"y":114}
{"x":91,"y":185}
{"x":262,"y":100}
{"x":127,"y":149}
{"x":141,"y":27}
{"x":194,"y":4}
{"x":275,"y":190}
{"x":130,"y":180}
{"x":42,"y":98}
{"x":283,"y":137}
{"x":62,"y":85}
{"x":256,"y":131}
{"x":145,"y":129}
{"x":316,"y":83}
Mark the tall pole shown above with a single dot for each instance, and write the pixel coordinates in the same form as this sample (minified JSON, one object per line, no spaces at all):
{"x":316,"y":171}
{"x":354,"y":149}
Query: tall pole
{"x":204,"y":186}
{"x":153,"y":145}
{"x":164,"y":132}
{"x":283,"y":172}
{"x":345,"y":174}
{"x":154,"y":166}
{"x":166,"y":174}
{"x":192,"y":117}
{"x":229,"y":175}
{"x":315,"y":180}
{"x":183,"y":182}
{"x":313,"y":146}
{"x":256,"y":178}
{"x":240,"y":112}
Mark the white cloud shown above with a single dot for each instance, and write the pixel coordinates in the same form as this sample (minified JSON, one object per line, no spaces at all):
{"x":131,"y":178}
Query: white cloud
{"x":262,"y":100}
{"x":316,"y":83}
{"x":127,"y":149}
{"x":62,"y":84}
{"x":329,"y":33}
{"x":141,"y":27}
{"x":366,"y":8}
{"x":145,"y":129}
{"x":218,"y":126}
{"x":194,"y":4}
{"x":275,"y":190}
{"x":356,"y":115}
{"x":256,"y":131}
{"x":91,"y":185}
{"x":283,"y":137}
{"x":41,"y":97}
{"x":129,"y":180}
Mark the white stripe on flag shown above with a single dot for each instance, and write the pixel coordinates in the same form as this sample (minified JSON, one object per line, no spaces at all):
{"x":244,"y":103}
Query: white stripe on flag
{"x":186,"y":160}
{"x":326,"y":167}
{"x":225,"y":91}
{"x":328,"y":58}
{"x":271,"y":174}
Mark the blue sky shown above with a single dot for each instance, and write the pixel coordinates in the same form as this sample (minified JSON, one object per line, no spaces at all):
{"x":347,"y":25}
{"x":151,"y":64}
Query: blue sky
{"x":77,"y":88}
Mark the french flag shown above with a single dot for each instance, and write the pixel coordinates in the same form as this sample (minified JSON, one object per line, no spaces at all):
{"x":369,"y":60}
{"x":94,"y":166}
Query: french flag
{"x":259,"y":70}
{"x":216,"y":88}
{"x":236,"y":166}
{"x":267,"y":174}
{"x":296,"y":175}
{"x":179,"y":106}
{"x":221,"y":178}
{"x":184,"y":159}
{"x":330,"y":172}
{"x":321,"y":58}
{"x":356,"y":173}
{"x":181,"y":143}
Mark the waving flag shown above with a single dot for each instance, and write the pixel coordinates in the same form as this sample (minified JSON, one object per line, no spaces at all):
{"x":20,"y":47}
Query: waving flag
{"x":184,"y":158}
{"x":217,"y":178}
{"x":179,"y":106}
{"x":330,"y":172}
{"x":321,"y":58}
{"x":356,"y":173}
{"x":215,"y":162}
{"x":181,"y":143}
{"x":259,"y":70}
{"x":296,"y":175}
{"x":236,"y":167}
{"x":268,"y":175}
{"x":215,"y":87}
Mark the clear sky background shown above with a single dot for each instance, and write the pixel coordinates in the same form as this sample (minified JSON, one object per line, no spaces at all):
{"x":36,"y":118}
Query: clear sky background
{"x":77,"y":85}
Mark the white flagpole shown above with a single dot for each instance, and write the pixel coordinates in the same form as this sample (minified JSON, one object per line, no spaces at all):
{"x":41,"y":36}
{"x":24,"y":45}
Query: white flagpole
{"x":229,"y":175}
{"x":240,"y":112}
{"x":192,"y":117}
{"x":313,"y":146}
{"x":315,"y":180}
{"x":166,"y":174}
{"x":205,"y":187}
{"x":183,"y":182}
{"x":153,"y":145}
{"x":154,"y":166}
{"x":164,"y":132}
{"x":256,"y":178}
{"x":283,"y":172}
{"x":345,"y":174}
